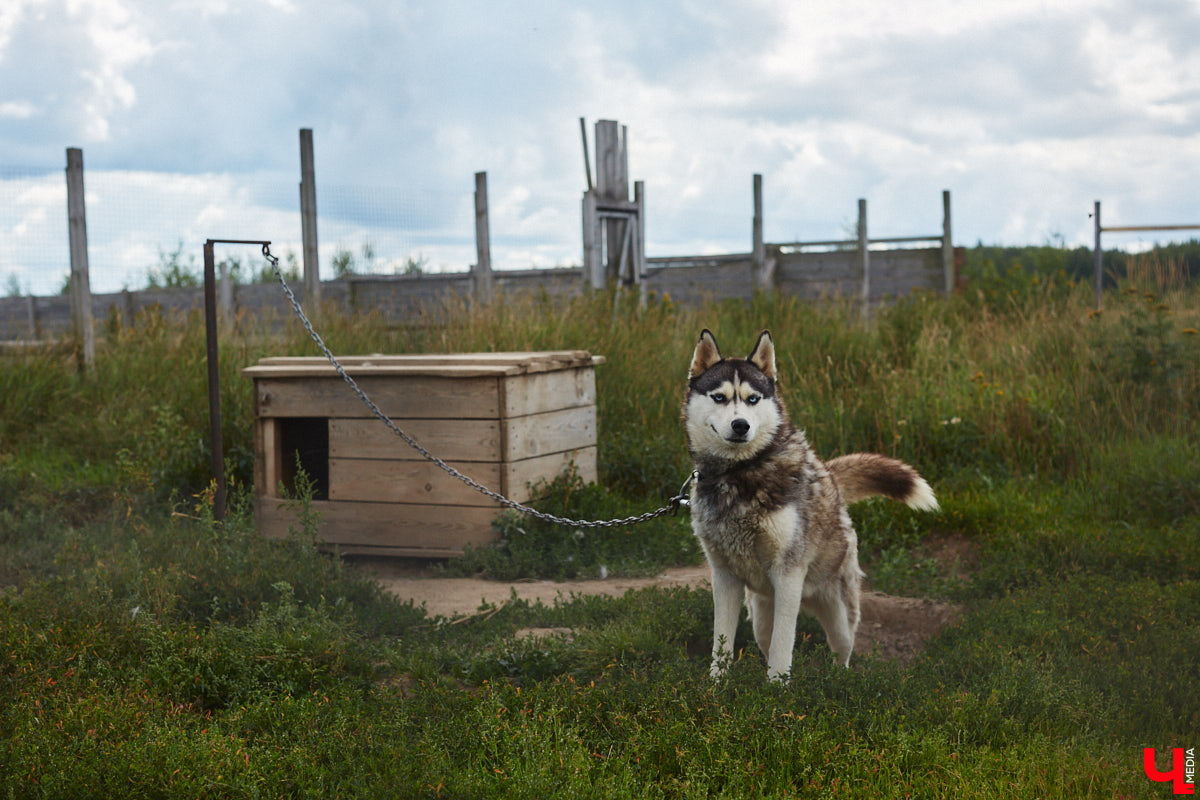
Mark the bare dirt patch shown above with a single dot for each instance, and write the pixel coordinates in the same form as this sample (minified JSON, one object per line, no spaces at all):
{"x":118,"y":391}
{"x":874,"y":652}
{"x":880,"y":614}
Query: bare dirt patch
{"x":892,"y":627}
{"x":956,"y":554}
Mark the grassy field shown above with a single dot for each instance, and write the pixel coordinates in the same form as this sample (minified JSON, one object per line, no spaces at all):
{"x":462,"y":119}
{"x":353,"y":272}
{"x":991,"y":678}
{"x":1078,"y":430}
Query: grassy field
{"x":147,"y":651}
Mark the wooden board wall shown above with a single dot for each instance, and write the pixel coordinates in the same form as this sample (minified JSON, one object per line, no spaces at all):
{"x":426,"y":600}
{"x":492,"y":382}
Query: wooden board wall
{"x":507,"y":431}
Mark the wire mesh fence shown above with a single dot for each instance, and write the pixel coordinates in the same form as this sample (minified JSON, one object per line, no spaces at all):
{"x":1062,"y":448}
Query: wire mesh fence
{"x":34,"y":254}
{"x":147,"y":229}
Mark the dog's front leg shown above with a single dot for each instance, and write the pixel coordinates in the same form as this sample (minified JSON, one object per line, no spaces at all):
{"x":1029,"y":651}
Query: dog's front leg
{"x":727,"y":604}
{"x":789,"y":588}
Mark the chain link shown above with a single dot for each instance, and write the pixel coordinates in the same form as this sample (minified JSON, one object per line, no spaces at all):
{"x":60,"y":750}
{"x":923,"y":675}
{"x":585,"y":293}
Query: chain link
{"x":680,"y":499}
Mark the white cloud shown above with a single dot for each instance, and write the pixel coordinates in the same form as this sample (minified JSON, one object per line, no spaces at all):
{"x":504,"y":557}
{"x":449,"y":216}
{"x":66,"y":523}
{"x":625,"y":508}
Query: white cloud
{"x":17,"y":109}
{"x":11,"y":12}
{"x":119,"y":42}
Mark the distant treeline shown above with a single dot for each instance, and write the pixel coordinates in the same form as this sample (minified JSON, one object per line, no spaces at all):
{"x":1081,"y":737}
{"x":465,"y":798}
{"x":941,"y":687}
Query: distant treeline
{"x":1078,"y":263}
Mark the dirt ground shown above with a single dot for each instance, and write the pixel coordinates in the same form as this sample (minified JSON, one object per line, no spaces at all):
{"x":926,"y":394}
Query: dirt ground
{"x":892,"y":627}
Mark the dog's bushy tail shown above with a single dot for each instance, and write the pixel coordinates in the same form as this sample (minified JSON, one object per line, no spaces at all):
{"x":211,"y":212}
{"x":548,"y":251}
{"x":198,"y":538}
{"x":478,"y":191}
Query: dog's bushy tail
{"x":863,"y":475}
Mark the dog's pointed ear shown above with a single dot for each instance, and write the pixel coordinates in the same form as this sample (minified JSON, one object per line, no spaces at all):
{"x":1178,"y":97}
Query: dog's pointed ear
{"x":763,"y":355}
{"x":707,"y":353}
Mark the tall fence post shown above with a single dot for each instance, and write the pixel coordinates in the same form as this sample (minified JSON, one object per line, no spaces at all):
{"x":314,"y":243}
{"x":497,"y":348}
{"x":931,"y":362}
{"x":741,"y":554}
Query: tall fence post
{"x":308,"y":218}
{"x":864,"y":259}
{"x":947,"y":244}
{"x":1098,"y":255}
{"x":612,"y":184}
{"x":639,"y":241}
{"x":81,"y":290}
{"x":758,"y":248}
{"x":483,"y":243}
{"x":593,"y":270}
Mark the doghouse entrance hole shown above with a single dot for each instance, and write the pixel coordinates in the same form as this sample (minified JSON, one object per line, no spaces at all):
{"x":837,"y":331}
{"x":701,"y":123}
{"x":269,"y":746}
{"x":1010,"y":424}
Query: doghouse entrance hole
{"x":305,"y":439}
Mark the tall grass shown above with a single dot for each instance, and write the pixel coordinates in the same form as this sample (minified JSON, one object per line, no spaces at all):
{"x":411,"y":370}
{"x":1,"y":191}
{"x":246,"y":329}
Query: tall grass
{"x":1016,"y":378}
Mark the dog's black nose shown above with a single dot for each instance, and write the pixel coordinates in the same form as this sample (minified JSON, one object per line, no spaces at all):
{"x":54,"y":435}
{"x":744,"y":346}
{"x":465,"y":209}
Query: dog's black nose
{"x":740,"y":427}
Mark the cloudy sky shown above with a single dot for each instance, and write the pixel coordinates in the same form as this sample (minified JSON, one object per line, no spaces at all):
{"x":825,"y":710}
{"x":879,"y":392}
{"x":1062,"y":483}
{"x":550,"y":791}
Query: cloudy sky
{"x":188,"y":113}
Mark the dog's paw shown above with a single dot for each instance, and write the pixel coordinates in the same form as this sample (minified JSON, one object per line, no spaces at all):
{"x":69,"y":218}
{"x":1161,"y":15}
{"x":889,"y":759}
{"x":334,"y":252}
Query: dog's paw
{"x":721,"y":660}
{"x":778,"y":676}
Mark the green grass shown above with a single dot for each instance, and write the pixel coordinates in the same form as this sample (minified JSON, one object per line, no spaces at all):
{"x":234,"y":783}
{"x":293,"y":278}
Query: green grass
{"x":148,"y":651}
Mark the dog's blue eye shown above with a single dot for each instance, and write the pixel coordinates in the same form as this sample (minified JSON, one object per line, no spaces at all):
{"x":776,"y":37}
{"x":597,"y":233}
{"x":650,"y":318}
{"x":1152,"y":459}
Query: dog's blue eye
{"x":752,"y":399}
{"x":717,"y":397}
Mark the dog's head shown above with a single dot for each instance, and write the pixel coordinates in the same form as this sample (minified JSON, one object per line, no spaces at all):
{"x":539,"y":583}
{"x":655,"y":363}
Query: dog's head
{"x":731,"y":411}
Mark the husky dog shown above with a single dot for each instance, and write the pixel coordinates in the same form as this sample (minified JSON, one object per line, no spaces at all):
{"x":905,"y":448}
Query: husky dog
{"x":770,"y":515}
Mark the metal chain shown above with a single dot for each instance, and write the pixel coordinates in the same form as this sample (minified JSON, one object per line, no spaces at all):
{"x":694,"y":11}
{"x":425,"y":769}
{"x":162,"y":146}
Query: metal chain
{"x":672,"y":506}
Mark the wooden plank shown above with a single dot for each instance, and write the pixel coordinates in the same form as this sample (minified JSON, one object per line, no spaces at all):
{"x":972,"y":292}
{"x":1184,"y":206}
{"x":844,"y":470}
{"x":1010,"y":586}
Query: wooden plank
{"x":409,"y":482}
{"x":520,"y":476}
{"x":552,"y":432}
{"x":271,"y":468}
{"x":505,"y":357}
{"x":433,"y":369}
{"x":684,"y":262}
{"x":423,"y":397}
{"x":457,"y":440}
{"x":376,"y":370}
{"x":549,"y":391}
{"x":401,"y":529}
{"x":260,"y":481}
{"x":512,"y":358}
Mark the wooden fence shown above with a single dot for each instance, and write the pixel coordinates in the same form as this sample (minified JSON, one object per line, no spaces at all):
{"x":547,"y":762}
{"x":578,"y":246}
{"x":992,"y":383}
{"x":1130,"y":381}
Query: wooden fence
{"x":809,"y":275}
{"x":1098,"y":250}
{"x":868,"y":270}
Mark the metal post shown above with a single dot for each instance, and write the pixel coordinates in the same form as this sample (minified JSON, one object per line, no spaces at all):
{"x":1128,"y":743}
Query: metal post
{"x":308,"y":218}
{"x":947,"y":244}
{"x":216,"y":444}
{"x":864,"y":259}
{"x":81,"y":290}
{"x":483,"y":243}
{"x":214,"y":382}
{"x":1098,"y":254}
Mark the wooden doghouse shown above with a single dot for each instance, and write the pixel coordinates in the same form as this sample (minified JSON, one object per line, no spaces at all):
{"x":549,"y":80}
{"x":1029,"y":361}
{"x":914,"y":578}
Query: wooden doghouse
{"x":507,"y":420}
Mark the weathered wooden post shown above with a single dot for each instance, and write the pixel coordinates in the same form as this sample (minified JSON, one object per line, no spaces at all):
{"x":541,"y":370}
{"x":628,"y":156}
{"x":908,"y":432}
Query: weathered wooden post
{"x":587,"y":163}
{"x":947,"y":244}
{"x":612,"y":184}
{"x":639,"y":241}
{"x":864,"y":259}
{"x":593,"y":270}
{"x":758,"y":249}
{"x":1098,"y":255}
{"x":81,"y":290}
{"x":308,"y":219}
{"x":613,"y":225}
{"x":483,"y":278}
